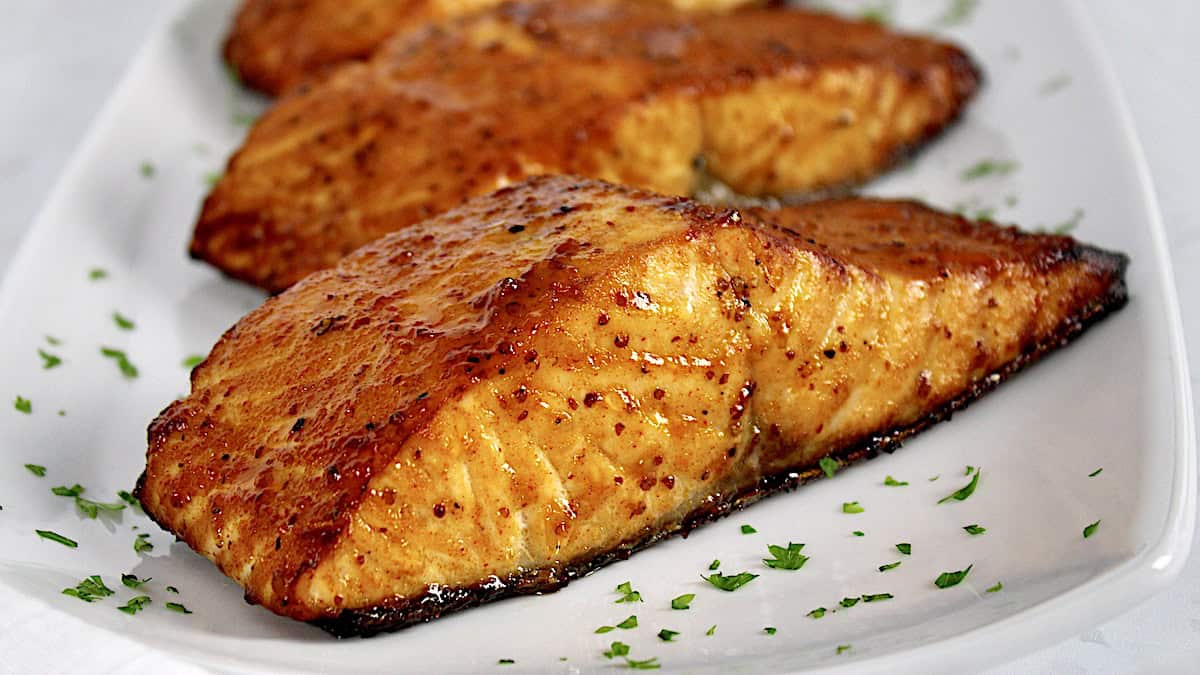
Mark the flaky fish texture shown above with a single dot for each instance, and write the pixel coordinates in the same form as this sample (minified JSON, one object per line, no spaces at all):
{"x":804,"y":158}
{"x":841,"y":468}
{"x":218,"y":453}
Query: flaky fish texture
{"x":502,"y":398}
{"x":768,"y":101}
{"x":274,"y":45}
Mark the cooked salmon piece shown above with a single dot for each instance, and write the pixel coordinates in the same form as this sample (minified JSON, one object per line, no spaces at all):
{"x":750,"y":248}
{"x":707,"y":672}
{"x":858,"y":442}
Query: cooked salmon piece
{"x":768,"y":101}
{"x":274,"y":45}
{"x":499,"y":399}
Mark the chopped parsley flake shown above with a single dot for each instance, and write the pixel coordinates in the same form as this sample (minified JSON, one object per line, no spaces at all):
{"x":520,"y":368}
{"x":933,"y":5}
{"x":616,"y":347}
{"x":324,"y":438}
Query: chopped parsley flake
{"x":714,"y":565}
{"x":505,"y":662}
{"x":132,"y":580}
{"x":1095,"y":473}
{"x":628,"y":623}
{"x":172,"y":589}
{"x":683,"y":602}
{"x":957,"y":13}
{"x":212,"y":178}
{"x":880,"y":13}
{"x":829,"y":465}
{"x":876,"y":597}
{"x":970,"y":470}
{"x":974,"y":530}
{"x":731,"y":582}
{"x":141,"y":544}
{"x":64,"y":491}
{"x":605,"y":629}
{"x":89,"y":589}
{"x":193,"y":361}
{"x":23,"y":405}
{"x":147,"y":170}
{"x":123,"y":322}
{"x":849,"y":602}
{"x":747,"y":529}
{"x":889,"y":566}
{"x":965,"y":491}
{"x":129,"y":370}
{"x":97,"y":273}
{"x":905,"y":548}
{"x":628,"y":594}
{"x":176,"y":607}
{"x":933,"y":478}
{"x":995,"y":588}
{"x":786,"y":558}
{"x":667,"y":635}
{"x":135,"y":604}
{"x":843,"y":648}
{"x":989,"y":167}
{"x":859,"y":533}
{"x":770,"y":630}
{"x":644,"y":664}
{"x":616,"y":649}
{"x":49,"y":360}
{"x":817,"y":613}
{"x":92,"y":509}
{"x":128,"y":498}
{"x":36,"y":469}
{"x":53,"y":341}
{"x":948,"y":579}
{"x":1069,"y":225}
{"x":712,"y":629}
{"x":851,"y":507}
{"x":1090,"y":529}
{"x":56,"y":537}
{"x":892,"y":482}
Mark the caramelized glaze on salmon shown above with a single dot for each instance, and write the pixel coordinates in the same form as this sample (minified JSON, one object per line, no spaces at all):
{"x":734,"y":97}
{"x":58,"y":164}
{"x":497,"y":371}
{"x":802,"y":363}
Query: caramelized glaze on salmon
{"x":768,"y":101}
{"x":498,"y":399}
{"x":276,"y":44}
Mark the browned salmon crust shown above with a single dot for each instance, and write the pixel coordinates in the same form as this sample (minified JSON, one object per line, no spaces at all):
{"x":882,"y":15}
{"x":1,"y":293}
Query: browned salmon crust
{"x":502,"y":398}
{"x":274,"y":45}
{"x":771,"y":102}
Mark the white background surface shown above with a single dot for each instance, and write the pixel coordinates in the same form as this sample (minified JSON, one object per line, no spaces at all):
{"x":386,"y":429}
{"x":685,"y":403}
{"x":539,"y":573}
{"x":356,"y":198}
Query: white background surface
{"x":59,"y":59}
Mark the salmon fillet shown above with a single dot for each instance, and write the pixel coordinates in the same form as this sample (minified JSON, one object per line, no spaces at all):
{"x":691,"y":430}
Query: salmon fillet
{"x":274,"y":45}
{"x":499,"y":399}
{"x":768,"y":101}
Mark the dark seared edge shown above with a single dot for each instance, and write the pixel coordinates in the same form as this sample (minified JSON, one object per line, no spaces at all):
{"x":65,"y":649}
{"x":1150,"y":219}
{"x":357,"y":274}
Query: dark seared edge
{"x":438,"y":601}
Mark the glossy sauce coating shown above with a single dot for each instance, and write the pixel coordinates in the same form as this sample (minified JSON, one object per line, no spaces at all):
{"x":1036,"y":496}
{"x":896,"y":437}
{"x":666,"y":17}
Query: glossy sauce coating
{"x":565,"y":367}
{"x":767,"y":101}
{"x":277,"y":44}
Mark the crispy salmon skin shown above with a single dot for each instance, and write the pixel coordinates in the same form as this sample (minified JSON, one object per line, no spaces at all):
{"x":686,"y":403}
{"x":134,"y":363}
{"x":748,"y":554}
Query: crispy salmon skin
{"x":769,"y":101}
{"x":274,"y":45}
{"x":503,"y":397}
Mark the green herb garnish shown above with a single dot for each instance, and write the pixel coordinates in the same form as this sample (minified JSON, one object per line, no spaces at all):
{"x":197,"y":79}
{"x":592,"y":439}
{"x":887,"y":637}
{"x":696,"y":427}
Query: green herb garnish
{"x":965,"y":491}
{"x":132,"y":581}
{"x":995,"y":588}
{"x":731,"y":582}
{"x":683,"y":602}
{"x":747,"y":529}
{"x":889,"y":566}
{"x":123,"y":322}
{"x":843,"y":648}
{"x":89,"y":589}
{"x":92,"y":509}
{"x":128,"y":498}
{"x":957,"y":12}
{"x":859,"y":533}
{"x":829,"y":465}
{"x":616,"y":649}
{"x":770,"y":630}
{"x":892,"y":482}
{"x":667,"y":635}
{"x":49,"y":360}
{"x":969,"y":471}
{"x":129,"y":370}
{"x":933,"y":478}
{"x":989,"y":167}
{"x":53,"y":341}
{"x":786,"y":558}
{"x":817,"y":613}
{"x":97,"y":273}
{"x":849,"y":602}
{"x":36,"y":469}
{"x":714,"y":565}
{"x":905,"y":548}
{"x":1095,"y":473}
{"x":212,"y":178}
{"x":876,"y":597}
{"x":176,"y":607}
{"x":628,"y":594}
{"x":172,"y":589}
{"x":948,"y":579}
{"x":975,"y":530}
{"x":1090,"y":529}
{"x":645,"y":664}
{"x":135,"y":604}
{"x":505,"y":662}
{"x":193,"y":361}
{"x":23,"y":405}
{"x":56,"y":537}
{"x":64,"y":491}
{"x":141,"y":544}
{"x":1068,"y":225}
{"x":147,"y":170}
{"x":628,"y":623}
{"x":712,"y":629}
{"x":851,"y":507}
{"x":880,"y":13}
{"x":604,"y":629}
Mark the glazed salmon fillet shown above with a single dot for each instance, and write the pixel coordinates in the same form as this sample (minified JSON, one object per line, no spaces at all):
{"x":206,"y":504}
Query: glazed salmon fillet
{"x":768,"y":101}
{"x":277,"y":44}
{"x":502,"y":398}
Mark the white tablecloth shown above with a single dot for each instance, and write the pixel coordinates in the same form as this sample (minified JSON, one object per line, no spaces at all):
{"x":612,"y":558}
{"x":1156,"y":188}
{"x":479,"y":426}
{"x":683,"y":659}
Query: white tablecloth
{"x":59,"y":59}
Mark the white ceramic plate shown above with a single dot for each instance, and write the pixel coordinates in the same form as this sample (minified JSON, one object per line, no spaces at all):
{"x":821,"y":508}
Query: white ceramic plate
{"x":1116,"y":399}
